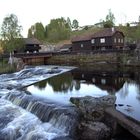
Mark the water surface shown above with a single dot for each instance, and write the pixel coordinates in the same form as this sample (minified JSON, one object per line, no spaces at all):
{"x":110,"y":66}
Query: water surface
{"x":78,"y":83}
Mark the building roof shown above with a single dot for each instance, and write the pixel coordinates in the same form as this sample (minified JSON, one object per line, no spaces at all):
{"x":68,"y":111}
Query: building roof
{"x":66,"y":46}
{"x":81,"y":38}
{"x":107,"y":32}
{"x":31,"y":41}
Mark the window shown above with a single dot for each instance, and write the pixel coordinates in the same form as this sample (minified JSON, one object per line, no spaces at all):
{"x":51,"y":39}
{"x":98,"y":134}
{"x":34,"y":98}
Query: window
{"x":103,"y":81}
{"x":102,"y":40}
{"x":103,"y":48}
{"x":92,"y":41}
{"x":115,"y":40}
{"x":119,"y":40}
{"x":82,"y":45}
{"x":122,"y":40}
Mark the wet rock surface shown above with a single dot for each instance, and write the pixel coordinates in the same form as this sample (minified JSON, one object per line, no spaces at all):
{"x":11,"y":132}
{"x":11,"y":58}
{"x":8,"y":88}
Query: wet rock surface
{"x":94,"y":131}
{"x":92,"y":109}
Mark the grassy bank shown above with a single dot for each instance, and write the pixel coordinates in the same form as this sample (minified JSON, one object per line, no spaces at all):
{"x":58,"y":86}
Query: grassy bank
{"x":5,"y":67}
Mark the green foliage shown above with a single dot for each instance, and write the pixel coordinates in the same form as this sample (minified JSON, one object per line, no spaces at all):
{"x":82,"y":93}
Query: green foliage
{"x":10,"y":31}
{"x":132,"y":34}
{"x":110,"y":20}
{"x":75,"y":24}
{"x":30,"y":35}
{"x":10,"y":28}
{"x":58,"y":30}
{"x":46,"y":31}
{"x":37,"y":31}
{"x":69,"y":22}
{"x":14,"y":44}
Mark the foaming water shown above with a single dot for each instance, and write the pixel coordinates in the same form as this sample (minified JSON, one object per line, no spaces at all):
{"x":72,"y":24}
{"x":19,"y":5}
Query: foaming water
{"x":18,"y":124}
{"x":62,"y":117}
{"x":38,"y":118}
{"x":30,"y":75}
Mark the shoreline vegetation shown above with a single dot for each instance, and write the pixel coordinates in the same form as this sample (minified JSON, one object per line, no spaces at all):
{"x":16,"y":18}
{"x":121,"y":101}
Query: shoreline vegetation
{"x":6,"y":68}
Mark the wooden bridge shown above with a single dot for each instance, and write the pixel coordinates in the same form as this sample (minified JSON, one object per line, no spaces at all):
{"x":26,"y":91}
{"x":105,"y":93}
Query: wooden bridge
{"x":30,"y":58}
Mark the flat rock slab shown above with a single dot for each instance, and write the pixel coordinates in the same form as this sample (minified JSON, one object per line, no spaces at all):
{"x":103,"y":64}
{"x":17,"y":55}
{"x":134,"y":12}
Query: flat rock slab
{"x":130,"y":125}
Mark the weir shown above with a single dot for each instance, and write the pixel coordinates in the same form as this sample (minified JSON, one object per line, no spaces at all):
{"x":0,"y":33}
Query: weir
{"x":57,"y":121}
{"x":64,"y":118}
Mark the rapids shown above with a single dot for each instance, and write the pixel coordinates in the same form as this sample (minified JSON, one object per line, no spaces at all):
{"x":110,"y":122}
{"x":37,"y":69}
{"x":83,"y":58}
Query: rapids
{"x":25,"y":117}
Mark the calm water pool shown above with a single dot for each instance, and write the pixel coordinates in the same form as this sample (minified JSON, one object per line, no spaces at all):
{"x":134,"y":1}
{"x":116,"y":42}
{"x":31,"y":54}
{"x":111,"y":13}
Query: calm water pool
{"x":78,"y":83}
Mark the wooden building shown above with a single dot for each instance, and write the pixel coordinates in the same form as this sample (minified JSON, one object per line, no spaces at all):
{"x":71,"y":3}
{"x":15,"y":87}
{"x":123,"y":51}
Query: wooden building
{"x":66,"y":48}
{"x":108,"y":38}
{"x":31,"y":45}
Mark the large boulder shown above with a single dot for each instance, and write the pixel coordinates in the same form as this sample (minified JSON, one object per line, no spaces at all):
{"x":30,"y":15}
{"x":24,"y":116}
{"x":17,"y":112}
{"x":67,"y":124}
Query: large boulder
{"x":93,"y":108}
{"x":94,"y":131}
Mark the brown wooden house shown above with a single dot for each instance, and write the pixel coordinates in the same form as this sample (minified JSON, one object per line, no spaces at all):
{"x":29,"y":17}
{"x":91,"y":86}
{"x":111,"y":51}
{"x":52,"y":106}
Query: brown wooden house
{"x":31,"y":45}
{"x":108,"y":38}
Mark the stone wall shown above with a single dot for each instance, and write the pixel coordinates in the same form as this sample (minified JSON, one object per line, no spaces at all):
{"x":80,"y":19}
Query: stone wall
{"x":122,"y":59}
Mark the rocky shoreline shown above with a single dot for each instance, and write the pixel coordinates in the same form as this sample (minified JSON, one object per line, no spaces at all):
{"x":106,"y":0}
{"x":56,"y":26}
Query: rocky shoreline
{"x":96,"y":123}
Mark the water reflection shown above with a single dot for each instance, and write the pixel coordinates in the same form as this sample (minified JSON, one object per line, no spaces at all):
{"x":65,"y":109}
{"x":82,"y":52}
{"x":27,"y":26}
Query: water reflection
{"x":61,"y":83}
{"x":82,"y":82}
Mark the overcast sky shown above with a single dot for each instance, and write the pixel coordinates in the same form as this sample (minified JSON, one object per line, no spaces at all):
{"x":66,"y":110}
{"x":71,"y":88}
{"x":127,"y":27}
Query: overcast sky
{"x":87,"y":12}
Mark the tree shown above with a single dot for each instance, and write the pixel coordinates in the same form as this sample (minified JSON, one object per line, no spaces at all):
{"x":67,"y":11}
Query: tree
{"x":37,"y":30}
{"x":110,"y":20}
{"x":10,"y":31}
{"x":30,"y":35}
{"x":10,"y":28}
{"x":75,"y":24}
{"x":46,"y":31}
{"x":58,"y":29}
{"x":69,"y":23}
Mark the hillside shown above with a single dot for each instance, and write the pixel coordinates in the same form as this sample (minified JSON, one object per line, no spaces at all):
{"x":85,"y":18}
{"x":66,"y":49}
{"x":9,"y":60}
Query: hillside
{"x":132,"y":34}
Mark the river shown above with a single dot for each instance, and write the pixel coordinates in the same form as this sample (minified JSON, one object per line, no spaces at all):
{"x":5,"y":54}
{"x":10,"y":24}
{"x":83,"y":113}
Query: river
{"x":34,"y":102}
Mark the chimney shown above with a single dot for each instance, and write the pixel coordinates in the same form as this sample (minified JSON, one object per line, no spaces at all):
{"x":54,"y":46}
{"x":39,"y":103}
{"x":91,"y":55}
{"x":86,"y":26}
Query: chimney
{"x":112,"y":29}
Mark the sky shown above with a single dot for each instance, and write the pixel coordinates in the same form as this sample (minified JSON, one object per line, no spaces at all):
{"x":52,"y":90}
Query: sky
{"x":87,"y":12}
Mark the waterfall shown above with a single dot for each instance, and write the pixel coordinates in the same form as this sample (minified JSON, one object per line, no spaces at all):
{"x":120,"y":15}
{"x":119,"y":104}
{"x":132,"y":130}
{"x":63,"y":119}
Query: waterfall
{"x":26,"y":117}
{"x":18,"y":124}
{"x":61,"y":117}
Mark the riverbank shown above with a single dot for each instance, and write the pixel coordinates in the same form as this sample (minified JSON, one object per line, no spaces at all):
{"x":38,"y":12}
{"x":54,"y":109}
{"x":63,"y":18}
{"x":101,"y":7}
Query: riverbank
{"x":98,"y":61}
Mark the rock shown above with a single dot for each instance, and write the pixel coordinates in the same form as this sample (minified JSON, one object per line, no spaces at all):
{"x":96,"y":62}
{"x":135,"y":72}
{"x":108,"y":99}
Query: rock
{"x":108,"y":101}
{"x":94,"y":131}
{"x":93,"y":108}
{"x":20,"y":64}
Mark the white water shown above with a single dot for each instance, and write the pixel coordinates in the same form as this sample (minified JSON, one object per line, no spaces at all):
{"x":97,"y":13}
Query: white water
{"x":30,"y":75}
{"x":19,"y":124}
{"x":24,"y":124}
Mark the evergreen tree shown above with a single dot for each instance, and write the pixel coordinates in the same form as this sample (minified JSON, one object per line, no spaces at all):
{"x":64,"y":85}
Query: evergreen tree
{"x":75,"y":24}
